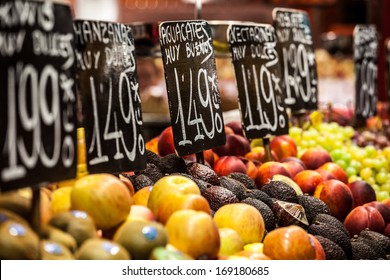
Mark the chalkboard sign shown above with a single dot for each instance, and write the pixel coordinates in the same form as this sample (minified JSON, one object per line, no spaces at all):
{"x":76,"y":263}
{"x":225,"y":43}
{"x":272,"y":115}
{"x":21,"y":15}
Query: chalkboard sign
{"x":258,"y":76}
{"x":296,"y":52}
{"x":387,"y":49}
{"x":366,"y":71}
{"x":191,"y":79}
{"x":37,"y":94}
{"x":111,"y":104}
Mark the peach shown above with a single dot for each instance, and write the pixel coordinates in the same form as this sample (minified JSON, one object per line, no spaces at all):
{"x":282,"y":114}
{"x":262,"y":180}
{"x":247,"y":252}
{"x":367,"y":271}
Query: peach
{"x":166,"y":144}
{"x":258,"y":154}
{"x":236,"y":126}
{"x":315,"y":157}
{"x":284,"y":146}
{"x":337,"y":196}
{"x":236,"y":145}
{"x":363,"y":217}
{"x":382,"y":208}
{"x":294,"y":167}
{"x":320,"y":253}
{"x":335,"y":170}
{"x":229,"y":164}
{"x":308,"y":180}
{"x":362,"y":192}
{"x":267,"y":170}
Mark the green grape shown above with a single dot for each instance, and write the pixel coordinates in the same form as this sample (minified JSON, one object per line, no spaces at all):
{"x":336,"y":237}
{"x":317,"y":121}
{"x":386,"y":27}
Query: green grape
{"x":381,"y":178}
{"x":366,"y":173}
{"x":346,"y":157}
{"x":385,"y":187}
{"x":354,"y":178}
{"x":369,"y":162}
{"x":371,"y":181}
{"x":342,"y":163}
{"x":370,"y":150}
{"x":336,"y":154}
{"x":382,"y":195}
{"x":355,"y":164}
{"x":350,"y":171}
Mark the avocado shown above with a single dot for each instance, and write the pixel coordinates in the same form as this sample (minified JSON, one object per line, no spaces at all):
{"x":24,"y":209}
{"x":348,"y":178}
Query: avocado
{"x":313,"y":206}
{"x":373,"y":245}
{"x":101,"y":249}
{"x":203,"y":172}
{"x":77,"y":223}
{"x":265,"y":211}
{"x":331,"y":249}
{"x":248,"y":182}
{"x":382,"y":240}
{"x":287,"y":213}
{"x":140,"y":237}
{"x":260,"y":195}
{"x":18,"y":241}
{"x":152,"y":157}
{"x":329,"y":219}
{"x":218,"y":196}
{"x":140,"y":181}
{"x":172,"y":163}
{"x":235,"y":186}
{"x":281,"y":191}
{"x":363,"y":251}
{"x":51,"y":250}
{"x":334,"y":234}
{"x":152,"y":172}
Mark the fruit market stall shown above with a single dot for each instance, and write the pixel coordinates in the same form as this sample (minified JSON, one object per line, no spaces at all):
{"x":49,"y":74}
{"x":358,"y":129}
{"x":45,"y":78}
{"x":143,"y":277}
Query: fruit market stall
{"x":81,"y":178}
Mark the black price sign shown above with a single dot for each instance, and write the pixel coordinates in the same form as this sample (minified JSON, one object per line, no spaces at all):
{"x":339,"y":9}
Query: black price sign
{"x":387,"y":48}
{"x":37,"y":91}
{"x":296,"y":51}
{"x":108,"y":85}
{"x":192,"y":85}
{"x":366,"y":71}
{"x":258,"y":76}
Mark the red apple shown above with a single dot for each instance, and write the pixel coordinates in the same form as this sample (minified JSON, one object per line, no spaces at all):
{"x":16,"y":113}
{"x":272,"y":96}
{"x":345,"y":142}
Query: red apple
{"x":289,"y":243}
{"x":382,"y":208}
{"x":267,"y":170}
{"x":315,"y":157}
{"x":284,"y":146}
{"x":362,"y":192}
{"x":308,"y":180}
{"x":293,"y":167}
{"x":236,"y":145}
{"x":363,"y":217}
{"x":335,"y":170}
{"x":337,"y":196}
{"x":166,"y":144}
{"x":229,"y":164}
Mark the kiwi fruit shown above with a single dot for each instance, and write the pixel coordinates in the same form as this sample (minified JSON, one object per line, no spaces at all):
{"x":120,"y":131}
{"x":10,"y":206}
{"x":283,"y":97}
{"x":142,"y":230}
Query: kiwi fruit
{"x":51,"y":250}
{"x":101,"y":249}
{"x":16,"y":203}
{"x":8,"y":215}
{"x":58,"y":236}
{"x":265,"y":211}
{"x":281,"y":191}
{"x":248,"y":182}
{"x":203,"y":172}
{"x":218,"y":196}
{"x":329,"y":219}
{"x":331,"y":249}
{"x":235,"y":186}
{"x":313,"y":206}
{"x":334,"y":234}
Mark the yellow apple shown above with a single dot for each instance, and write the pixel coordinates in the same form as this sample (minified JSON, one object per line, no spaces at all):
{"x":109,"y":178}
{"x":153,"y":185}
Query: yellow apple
{"x":231,"y":242}
{"x":60,"y":200}
{"x":104,"y":197}
{"x":141,"y":196}
{"x":245,"y":219}
{"x":140,"y":212}
{"x":194,"y":233}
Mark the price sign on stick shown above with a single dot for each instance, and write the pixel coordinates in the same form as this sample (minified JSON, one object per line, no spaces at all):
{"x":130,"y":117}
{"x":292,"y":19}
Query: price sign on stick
{"x":37,"y":92}
{"x":191,"y":80}
{"x":365,"y":52}
{"x":258,"y":76}
{"x":296,"y":52}
{"x":108,"y":85}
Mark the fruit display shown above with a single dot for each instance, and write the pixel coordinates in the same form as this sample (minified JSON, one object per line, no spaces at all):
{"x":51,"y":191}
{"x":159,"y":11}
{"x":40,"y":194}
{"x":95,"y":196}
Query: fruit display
{"x":320,"y":196}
